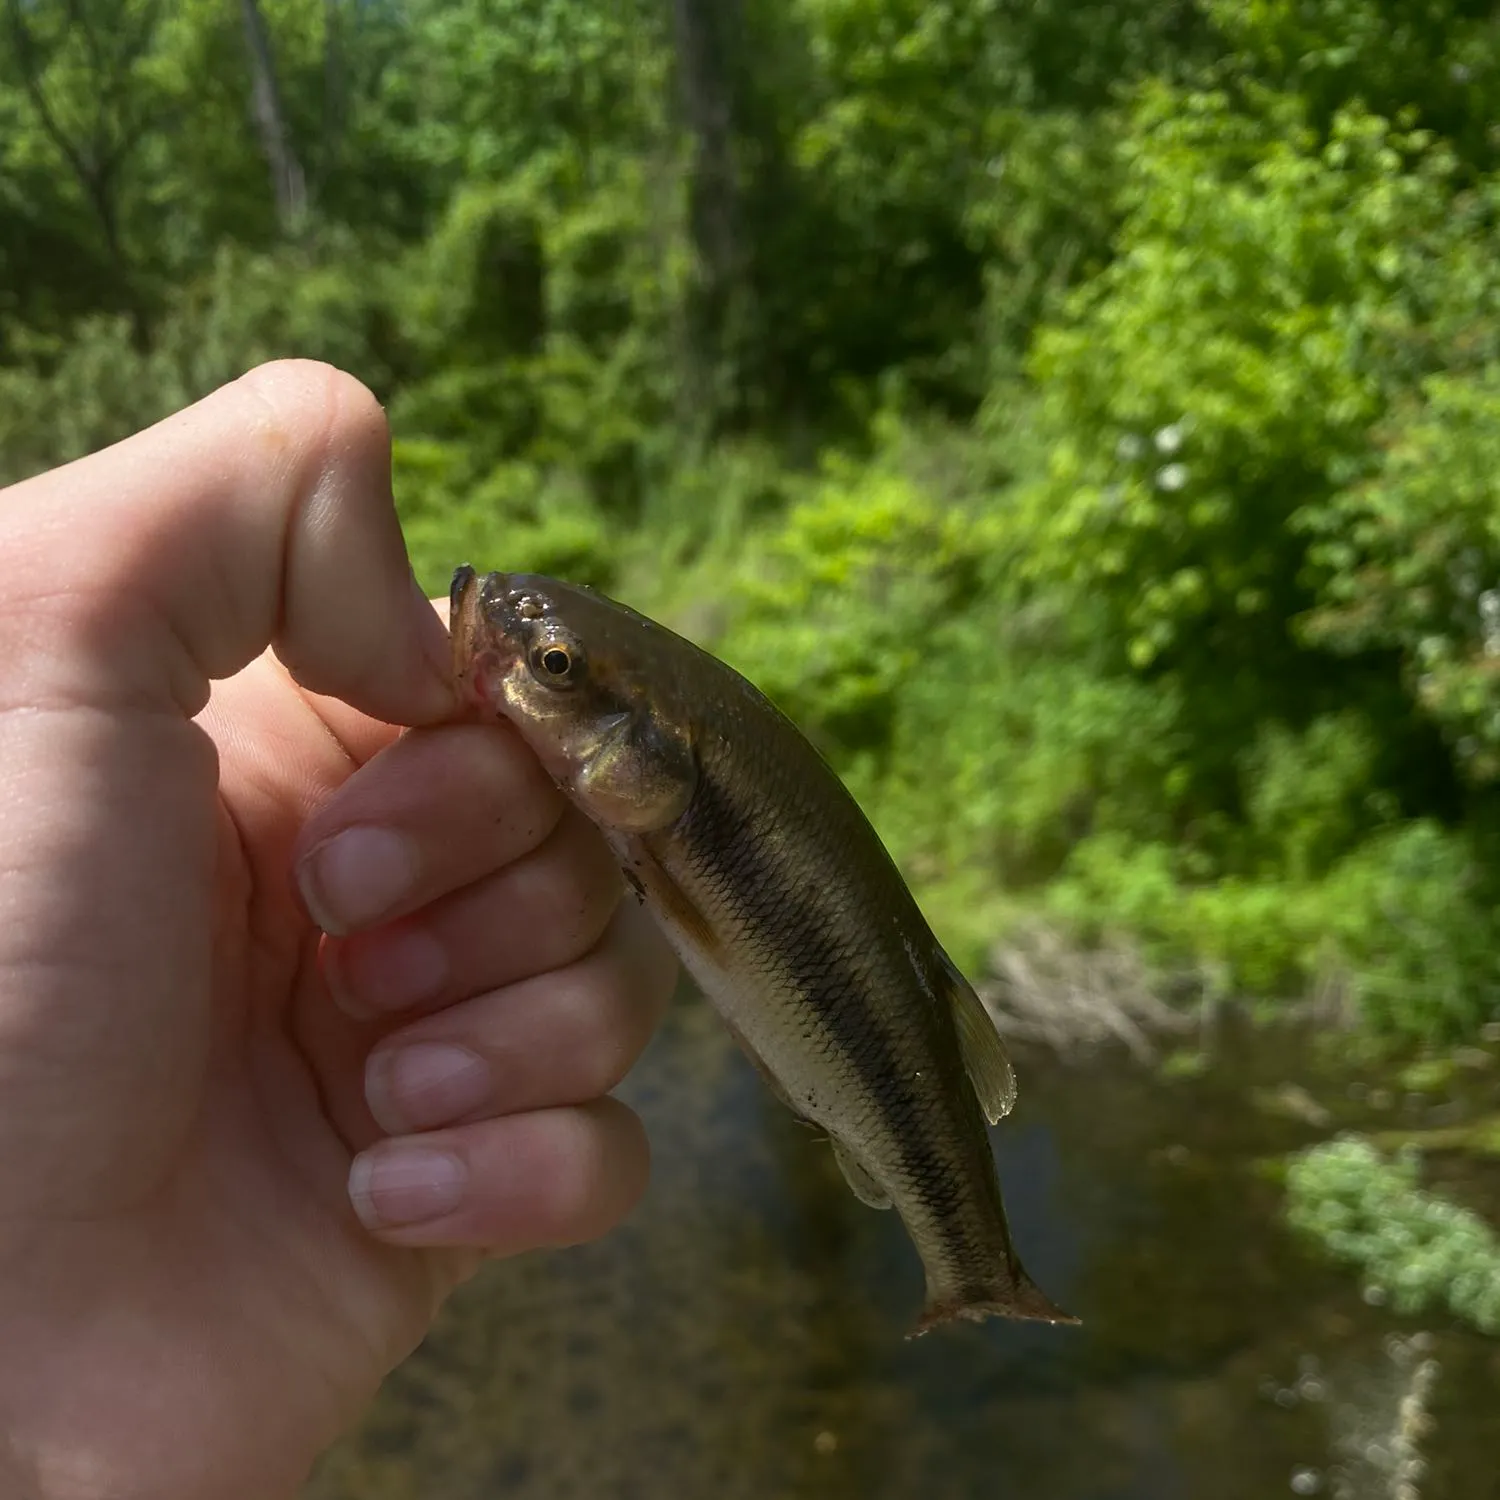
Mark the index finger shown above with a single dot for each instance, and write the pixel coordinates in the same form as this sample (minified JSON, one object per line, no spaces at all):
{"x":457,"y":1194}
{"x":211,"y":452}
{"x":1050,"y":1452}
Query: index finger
{"x":260,"y":516}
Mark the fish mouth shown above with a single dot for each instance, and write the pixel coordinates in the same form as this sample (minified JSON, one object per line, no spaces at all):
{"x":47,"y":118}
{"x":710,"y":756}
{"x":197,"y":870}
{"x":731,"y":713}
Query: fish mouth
{"x":486,"y":623}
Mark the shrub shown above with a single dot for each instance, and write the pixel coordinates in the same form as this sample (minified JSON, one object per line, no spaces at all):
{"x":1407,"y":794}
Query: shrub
{"x":1422,"y":1250}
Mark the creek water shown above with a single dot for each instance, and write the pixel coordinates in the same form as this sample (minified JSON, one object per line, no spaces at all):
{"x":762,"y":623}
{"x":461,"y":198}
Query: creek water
{"x":742,"y":1336}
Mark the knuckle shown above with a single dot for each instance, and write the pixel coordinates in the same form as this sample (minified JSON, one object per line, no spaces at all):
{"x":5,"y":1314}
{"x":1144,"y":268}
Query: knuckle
{"x":573,"y":1187}
{"x":602,"y":1165}
{"x":602,"y":1043}
{"x":494,"y":762}
{"x":576,"y":883}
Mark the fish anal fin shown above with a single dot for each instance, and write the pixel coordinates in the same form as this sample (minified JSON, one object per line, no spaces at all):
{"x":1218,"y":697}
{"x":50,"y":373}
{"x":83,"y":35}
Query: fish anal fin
{"x":859,"y":1177}
{"x":984,"y":1053}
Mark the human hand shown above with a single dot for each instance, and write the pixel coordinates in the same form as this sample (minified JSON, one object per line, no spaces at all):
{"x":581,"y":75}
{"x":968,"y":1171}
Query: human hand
{"x":190,"y":1305}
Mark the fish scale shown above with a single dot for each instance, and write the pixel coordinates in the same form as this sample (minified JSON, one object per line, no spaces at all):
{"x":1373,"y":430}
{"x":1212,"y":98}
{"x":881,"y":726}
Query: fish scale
{"x":781,"y":901}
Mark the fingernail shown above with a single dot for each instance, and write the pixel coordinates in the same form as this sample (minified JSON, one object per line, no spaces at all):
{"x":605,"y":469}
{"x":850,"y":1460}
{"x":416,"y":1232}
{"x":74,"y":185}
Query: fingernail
{"x":395,"y":1185}
{"x":356,"y":877}
{"x":391,"y":970}
{"x":424,"y":1084}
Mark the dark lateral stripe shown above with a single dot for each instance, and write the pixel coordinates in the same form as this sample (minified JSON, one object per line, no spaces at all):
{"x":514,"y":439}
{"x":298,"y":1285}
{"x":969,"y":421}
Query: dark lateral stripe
{"x":722,"y":839}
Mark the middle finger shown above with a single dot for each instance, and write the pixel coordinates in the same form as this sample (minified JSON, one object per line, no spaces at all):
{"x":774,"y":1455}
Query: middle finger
{"x":561,"y":1038}
{"x":537,"y":913}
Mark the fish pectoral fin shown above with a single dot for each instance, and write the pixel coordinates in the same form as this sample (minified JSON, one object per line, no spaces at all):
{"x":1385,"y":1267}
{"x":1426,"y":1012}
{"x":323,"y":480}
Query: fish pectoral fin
{"x":674,"y":904}
{"x":859,"y":1177}
{"x":984,"y":1053}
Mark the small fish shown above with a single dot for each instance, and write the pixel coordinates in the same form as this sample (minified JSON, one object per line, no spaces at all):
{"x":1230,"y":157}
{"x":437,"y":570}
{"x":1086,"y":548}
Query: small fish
{"x":780,"y":900}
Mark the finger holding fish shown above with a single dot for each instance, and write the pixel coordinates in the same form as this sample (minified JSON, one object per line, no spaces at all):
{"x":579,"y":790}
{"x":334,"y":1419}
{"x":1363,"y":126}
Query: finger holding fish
{"x":434,"y":811}
{"x":508,"y":940}
{"x":501,"y":1133}
{"x":541,"y":1179}
{"x":538,"y":912}
{"x":565,"y":1037}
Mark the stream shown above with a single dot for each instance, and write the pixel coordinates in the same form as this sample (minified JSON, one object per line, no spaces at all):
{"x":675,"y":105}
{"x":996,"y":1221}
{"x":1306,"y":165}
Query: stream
{"x":742,"y":1336}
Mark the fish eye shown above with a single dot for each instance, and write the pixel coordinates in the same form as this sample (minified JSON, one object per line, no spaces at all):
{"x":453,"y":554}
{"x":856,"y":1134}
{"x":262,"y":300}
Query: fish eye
{"x":557,"y":662}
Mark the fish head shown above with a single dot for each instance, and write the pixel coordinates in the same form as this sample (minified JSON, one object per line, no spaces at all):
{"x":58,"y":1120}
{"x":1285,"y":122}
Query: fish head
{"x":588,"y":683}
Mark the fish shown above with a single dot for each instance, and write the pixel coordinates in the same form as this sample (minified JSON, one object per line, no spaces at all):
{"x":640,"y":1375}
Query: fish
{"x":782,"y":904}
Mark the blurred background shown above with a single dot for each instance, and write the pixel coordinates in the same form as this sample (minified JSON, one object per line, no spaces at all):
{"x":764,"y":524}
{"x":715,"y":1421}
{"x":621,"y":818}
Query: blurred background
{"x":1083,"y":416}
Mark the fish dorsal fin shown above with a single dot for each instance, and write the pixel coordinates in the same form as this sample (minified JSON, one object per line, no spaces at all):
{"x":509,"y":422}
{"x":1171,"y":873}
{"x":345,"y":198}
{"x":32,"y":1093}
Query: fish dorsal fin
{"x":984,"y":1053}
{"x":859,"y":1177}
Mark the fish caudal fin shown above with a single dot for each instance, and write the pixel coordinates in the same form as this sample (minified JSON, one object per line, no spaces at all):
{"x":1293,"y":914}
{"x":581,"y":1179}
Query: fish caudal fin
{"x":1019,"y":1298}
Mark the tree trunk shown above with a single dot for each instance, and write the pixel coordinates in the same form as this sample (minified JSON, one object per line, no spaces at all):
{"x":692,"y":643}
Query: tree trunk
{"x":288,"y":183}
{"x":330,"y":147}
{"x":96,"y":151}
{"x":707,"y":35}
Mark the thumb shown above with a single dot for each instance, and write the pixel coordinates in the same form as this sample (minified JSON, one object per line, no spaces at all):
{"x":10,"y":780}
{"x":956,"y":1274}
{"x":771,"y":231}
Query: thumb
{"x":128,"y":581}
{"x":261,"y":516}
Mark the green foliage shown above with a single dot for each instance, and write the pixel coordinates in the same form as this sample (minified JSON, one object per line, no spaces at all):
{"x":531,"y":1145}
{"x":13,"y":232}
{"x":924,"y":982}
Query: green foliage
{"x":1400,"y":923}
{"x":1043,"y":219}
{"x":485,"y":88}
{"x":519,"y":517}
{"x":1214,"y":380}
{"x":843,"y":603}
{"x":1420,"y":1249}
{"x":1002,"y":756}
{"x":1409,"y":916}
{"x":939,"y":153}
{"x":1308,"y":796}
{"x":1412,"y":558}
{"x":75,"y":393}
{"x":1081,"y":416}
{"x":1433,"y":57}
{"x":539,"y":313}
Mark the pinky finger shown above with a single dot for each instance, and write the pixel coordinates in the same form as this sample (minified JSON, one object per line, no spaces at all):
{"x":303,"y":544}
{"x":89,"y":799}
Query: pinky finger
{"x":521,"y":1182}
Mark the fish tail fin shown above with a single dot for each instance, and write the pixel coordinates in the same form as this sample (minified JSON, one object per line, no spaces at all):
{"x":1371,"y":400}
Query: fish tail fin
{"x":1014,"y":1296}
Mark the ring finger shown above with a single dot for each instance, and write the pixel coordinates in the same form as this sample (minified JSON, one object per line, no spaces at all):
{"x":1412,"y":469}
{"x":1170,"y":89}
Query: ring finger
{"x":561,"y":1038}
{"x":545,"y":910}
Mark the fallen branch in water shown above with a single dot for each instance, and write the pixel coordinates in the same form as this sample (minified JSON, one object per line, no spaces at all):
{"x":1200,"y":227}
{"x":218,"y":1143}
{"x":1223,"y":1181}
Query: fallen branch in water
{"x":1047,"y":990}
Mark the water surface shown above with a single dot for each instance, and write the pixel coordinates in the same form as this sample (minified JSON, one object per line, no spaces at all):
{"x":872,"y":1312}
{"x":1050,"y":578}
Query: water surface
{"x":742,"y":1336}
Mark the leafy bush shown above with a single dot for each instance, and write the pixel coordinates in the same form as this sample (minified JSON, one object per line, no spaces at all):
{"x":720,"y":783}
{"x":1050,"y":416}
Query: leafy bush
{"x":1400,"y":922}
{"x":73,"y":395}
{"x":519,"y":519}
{"x":837,"y":606}
{"x":1409,"y":921}
{"x":534,"y":320}
{"x":1422,"y":1250}
{"x":1213,"y":381}
{"x":1007,"y":747}
{"x":1083,"y":416}
{"x":1433,"y":57}
{"x":1308,"y":797}
{"x":1412,"y":561}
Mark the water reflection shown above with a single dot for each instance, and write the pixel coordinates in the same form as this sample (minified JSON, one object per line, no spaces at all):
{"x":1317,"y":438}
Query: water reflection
{"x":742,"y":1336}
